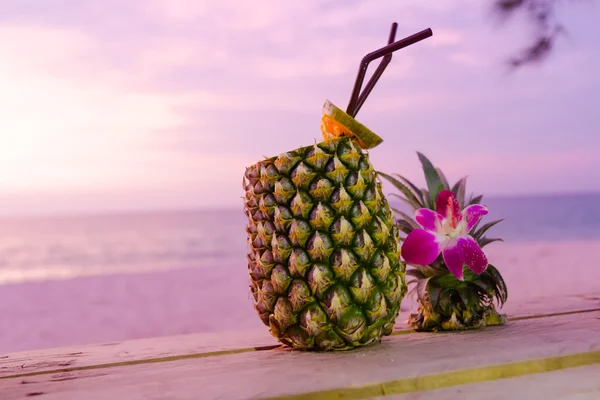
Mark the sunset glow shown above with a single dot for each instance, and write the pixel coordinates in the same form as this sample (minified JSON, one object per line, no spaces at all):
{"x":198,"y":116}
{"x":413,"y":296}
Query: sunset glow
{"x":162,"y":104}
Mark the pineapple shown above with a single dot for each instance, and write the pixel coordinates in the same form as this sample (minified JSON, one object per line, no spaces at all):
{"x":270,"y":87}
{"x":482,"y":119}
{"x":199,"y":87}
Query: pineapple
{"x":324,"y":258}
{"x":446,"y":302}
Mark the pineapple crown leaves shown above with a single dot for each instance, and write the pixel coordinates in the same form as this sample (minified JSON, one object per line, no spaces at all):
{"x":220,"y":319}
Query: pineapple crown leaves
{"x":417,"y":198}
{"x":430,"y":281}
{"x":433,"y":284}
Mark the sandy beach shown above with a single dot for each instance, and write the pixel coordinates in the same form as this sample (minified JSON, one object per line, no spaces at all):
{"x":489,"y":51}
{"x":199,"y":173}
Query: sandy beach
{"x":98,"y":309}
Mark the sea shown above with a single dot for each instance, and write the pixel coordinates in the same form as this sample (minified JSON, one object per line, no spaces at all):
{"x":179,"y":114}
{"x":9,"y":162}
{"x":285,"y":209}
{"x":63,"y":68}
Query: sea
{"x":77,"y":280}
{"x":48,"y":248}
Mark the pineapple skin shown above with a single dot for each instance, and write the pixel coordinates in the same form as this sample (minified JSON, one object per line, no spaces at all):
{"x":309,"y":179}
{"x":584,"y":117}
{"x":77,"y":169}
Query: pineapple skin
{"x":324,"y":249}
{"x":430,"y":319}
{"x":447,"y":304}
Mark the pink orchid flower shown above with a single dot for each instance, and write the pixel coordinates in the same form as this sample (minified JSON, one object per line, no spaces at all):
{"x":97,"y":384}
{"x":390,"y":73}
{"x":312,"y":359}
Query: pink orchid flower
{"x":446,"y":230}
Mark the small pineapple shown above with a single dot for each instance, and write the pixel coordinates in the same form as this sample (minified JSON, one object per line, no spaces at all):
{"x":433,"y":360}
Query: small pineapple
{"x":324,"y":259}
{"x":455,"y":285}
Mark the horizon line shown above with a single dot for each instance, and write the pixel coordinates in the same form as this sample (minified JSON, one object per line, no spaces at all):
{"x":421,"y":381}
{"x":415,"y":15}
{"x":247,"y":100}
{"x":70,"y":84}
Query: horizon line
{"x":214,"y":208}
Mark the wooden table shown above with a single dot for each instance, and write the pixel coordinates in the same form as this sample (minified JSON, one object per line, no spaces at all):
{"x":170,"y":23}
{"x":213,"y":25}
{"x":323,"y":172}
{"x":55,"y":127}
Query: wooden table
{"x":550,"y":349}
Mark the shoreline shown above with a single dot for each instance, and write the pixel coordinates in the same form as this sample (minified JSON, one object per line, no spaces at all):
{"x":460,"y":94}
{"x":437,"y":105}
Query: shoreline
{"x":10,"y":277}
{"x":107,"y":308}
{"x":92,"y":212}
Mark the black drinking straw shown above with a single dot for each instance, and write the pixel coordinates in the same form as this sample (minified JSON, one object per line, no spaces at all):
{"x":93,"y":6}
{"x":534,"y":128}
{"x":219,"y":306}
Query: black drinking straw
{"x":356,"y":100}
{"x":377,"y":74}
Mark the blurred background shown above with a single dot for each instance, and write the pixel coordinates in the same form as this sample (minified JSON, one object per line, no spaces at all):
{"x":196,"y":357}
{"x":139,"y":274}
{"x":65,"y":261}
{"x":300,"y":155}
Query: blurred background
{"x":125,"y":129}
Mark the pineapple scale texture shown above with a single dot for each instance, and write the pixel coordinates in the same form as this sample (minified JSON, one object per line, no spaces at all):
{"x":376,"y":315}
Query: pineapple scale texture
{"x":324,"y":250}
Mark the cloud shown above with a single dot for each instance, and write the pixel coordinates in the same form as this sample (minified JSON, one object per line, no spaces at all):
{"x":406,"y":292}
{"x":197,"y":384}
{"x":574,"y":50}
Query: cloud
{"x":445,"y":37}
{"x":466,"y":59}
{"x":178,"y":95}
{"x":61,"y":132}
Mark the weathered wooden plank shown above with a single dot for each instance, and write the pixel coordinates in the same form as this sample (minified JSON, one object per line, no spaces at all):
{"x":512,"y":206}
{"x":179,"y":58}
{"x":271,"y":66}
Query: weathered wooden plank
{"x":582,"y":383}
{"x":552,"y":305}
{"x":533,"y":307}
{"x":207,"y":344}
{"x":31,"y":362}
{"x":418,"y":357}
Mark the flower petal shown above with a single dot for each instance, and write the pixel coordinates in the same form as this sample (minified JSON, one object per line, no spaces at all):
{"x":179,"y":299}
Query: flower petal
{"x":472,"y":255}
{"x":420,"y":247}
{"x":447,"y":206}
{"x":472,"y":214}
{"x":453,"y":260}
{"x":428,"y":219}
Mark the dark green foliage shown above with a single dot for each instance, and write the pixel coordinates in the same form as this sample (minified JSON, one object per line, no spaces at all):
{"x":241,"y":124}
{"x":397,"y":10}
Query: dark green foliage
{"x":446,"y":303}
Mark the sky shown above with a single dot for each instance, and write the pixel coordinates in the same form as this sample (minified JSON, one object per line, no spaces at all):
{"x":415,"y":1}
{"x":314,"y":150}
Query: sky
{"x":161,"y":104}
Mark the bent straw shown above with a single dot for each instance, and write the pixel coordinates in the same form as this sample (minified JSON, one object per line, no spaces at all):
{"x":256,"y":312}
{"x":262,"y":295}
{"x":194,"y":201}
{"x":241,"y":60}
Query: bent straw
{"x":377,"y":74}
{"x":382,"y":52}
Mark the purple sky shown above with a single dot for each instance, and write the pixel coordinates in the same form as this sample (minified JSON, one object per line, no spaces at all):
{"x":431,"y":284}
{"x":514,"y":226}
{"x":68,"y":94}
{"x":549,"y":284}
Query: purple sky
{"x":145,"y":104}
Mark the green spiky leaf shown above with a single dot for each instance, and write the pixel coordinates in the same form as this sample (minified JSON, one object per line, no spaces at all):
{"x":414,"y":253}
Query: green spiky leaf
{"x":434,"y":294}
{"x":406,"y":218}
{"x":483,"y":286}
{"x":415,"y":272}
{"x":476,"y":200}
{"x":404,"y":226}
{"x":411,"y":282}
{"x":468,"y":275}
{"x":477,"y":234}
{"x":413,"y":187}
{"x":463,"y":292}
{"x":445,"y":302}
{"x":497,"y":282}
{"x":485,"y":241}
{"x":443,"y":179}
{"x":432,"y":271}
{"x":427,"y":203}
{"x":449,"y":281}
{"x":404,"y":200}
{"x":474,"y":298}
{"x":421,"y":289}
{"x":413,"y":201}
{"x":459,"y":190}
{"x":434,"y":182}
{"x":475,"y":227}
